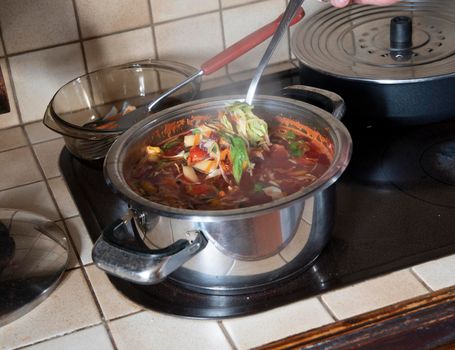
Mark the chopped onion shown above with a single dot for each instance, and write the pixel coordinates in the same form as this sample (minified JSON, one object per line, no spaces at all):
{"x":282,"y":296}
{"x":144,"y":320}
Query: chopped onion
{"x":205,"y":166}
{"x":205,"y":130}
{"x":176,"y":156}
{"x":223,"y":174}
{"x":273,"y":192}
{"x":258,"y":153}
{"x":214,"y":173}
{"x":189,"y":173}
{"x":215,"y":153}
{"x":190,"y":140}
{"x":153,"y":153}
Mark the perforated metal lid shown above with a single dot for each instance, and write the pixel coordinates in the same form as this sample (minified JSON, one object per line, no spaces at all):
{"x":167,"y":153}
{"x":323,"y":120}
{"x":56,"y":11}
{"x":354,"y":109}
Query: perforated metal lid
{"x":356,"y":42}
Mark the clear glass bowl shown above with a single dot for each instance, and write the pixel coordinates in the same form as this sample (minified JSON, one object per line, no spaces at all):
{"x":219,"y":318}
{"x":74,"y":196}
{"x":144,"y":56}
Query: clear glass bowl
{"x":106,"y":92}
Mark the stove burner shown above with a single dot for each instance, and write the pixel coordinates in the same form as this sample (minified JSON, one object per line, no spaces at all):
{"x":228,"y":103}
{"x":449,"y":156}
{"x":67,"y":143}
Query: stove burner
{"x":421,"y":163}
{"x":438,"y":161}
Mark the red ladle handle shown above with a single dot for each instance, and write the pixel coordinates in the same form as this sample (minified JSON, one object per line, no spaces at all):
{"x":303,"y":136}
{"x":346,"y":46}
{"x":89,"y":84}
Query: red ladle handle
{"x":246,"y":44}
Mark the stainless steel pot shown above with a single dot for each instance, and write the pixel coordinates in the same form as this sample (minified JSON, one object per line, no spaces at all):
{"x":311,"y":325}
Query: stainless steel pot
{"x":226,"y":251}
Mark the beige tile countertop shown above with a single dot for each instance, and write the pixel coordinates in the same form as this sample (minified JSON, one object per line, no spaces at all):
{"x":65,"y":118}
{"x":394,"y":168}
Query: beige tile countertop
{"x":87,"y":312}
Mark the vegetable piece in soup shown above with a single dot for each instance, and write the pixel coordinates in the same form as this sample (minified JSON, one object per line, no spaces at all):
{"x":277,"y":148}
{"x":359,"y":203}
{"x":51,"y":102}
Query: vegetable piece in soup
{"x":232,"y":161}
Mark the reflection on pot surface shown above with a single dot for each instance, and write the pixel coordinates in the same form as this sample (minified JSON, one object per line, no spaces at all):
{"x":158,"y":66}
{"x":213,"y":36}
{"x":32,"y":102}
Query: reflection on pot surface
{"x":260,"y":250}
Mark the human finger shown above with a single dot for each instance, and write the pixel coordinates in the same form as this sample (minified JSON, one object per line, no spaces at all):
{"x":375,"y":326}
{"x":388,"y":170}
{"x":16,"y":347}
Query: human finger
{"x":375,"y":2}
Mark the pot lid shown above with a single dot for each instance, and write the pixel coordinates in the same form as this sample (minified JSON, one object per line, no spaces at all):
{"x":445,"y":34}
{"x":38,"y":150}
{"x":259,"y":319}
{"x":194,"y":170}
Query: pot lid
{"x":33,"y":257}
{"x":410,"y":41}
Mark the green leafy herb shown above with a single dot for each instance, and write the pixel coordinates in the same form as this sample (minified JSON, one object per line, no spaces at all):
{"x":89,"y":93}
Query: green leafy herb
{"x":290,"y":135}
{"x":171,"y":144}
{"x":258,"y":187}
{"x":239,"y":155}
{"x":295,"y":148}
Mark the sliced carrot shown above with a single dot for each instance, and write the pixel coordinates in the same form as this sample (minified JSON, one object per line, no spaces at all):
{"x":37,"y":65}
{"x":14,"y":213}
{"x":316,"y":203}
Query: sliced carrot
{"x":224,"y":153}
{"x":197,"y":139}
{"x":210,"y":165}
{"x":107,"y":126}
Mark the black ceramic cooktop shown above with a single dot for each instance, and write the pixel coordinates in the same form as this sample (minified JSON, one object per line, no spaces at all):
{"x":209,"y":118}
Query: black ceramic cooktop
{"x":395,"y":209}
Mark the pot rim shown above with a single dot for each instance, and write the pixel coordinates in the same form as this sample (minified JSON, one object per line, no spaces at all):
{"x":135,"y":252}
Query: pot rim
{"x":113,"y":162}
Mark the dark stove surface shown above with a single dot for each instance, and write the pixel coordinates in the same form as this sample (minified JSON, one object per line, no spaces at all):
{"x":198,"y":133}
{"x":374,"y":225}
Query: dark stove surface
{"x":395,"y":209}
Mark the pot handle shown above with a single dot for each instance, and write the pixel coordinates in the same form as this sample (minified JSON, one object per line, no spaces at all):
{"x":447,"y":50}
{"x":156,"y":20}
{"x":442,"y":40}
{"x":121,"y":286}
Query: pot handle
{"x":327,"y":100}
{"x":143,"y":267}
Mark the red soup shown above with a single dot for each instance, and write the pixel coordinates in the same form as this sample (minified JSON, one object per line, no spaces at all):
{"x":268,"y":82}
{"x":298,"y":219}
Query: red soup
{"x":232,"y":161}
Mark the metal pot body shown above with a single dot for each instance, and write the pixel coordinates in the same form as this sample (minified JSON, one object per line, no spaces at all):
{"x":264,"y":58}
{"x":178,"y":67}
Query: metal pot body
{"x":246,"y":253}
{"x":412,"y":103}
{"x":226,"y":251}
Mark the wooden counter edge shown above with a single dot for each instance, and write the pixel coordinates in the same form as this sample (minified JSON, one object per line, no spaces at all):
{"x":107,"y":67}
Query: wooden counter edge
{"x":426,"y":321}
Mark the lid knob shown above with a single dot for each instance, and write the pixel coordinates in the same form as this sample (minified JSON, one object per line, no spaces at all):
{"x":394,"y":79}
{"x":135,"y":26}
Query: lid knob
{"x":400,"y":33}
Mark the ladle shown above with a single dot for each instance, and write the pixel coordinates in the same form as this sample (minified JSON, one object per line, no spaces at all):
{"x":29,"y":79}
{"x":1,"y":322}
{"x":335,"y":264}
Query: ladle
{"x":212,"y":65}
{"x":294,"y":7}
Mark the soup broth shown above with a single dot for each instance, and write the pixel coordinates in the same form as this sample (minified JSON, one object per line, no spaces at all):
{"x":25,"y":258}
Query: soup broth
{"x":231,"y":161}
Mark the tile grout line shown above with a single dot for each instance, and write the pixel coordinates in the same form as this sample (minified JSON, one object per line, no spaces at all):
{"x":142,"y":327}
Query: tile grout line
{"x":79,"y":34}
{"x":155,"y":42}
{"x":90,"y":264}
{"x":226,"y":334}
{"x":104,"y":321}
{"x":223,"y":33}
{"x":26,"y":184}
{"x":327,"y":308}
{"x":220,"y":9}
{"x":421,"y":281}
{"x":289,"y":37}
{"x":152,"y":28}
{"x":185,"y":17}
{"x":56,"y":336}
{"x":71,"y":216}
{"x":127,"y":315}
{"x":16,"y":147}
{"x":42,"y":48}
{"x":109,"y":334}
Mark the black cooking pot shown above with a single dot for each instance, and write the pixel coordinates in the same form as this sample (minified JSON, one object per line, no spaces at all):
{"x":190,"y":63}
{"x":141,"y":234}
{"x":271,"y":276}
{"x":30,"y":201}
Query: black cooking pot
{"x":395,"y":62}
